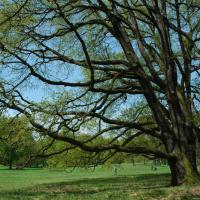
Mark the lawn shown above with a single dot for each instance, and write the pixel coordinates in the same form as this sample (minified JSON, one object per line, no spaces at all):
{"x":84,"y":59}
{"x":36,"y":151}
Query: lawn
{"x":137,"y":182}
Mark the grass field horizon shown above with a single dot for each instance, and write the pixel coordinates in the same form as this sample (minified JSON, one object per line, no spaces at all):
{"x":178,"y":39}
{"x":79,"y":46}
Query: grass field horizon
{"x":131,"y":182}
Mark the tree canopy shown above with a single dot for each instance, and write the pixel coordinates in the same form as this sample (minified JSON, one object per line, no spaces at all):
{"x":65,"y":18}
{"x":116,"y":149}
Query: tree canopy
{"x":17,"y":142}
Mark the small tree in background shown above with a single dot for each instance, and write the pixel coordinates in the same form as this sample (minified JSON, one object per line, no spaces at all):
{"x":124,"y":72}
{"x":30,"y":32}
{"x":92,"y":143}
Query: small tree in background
{"x":17,"y":142}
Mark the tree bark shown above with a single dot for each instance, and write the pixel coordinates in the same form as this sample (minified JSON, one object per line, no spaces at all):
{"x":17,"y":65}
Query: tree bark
{"x":183,"y":165}
{"x":10,"y":164}
{"x":182,"y":172}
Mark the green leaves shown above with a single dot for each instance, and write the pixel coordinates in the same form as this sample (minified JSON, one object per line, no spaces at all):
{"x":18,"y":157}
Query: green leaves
{"x":17,"y":142}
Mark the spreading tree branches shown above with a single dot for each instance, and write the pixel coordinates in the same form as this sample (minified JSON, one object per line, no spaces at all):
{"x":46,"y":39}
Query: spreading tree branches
{"x":99,"y":60}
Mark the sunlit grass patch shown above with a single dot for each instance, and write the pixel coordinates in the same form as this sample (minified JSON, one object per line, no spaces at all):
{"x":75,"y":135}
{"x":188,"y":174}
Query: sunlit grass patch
{"x":101,"y":184}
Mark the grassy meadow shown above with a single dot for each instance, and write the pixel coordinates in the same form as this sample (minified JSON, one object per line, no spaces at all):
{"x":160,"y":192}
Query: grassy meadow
{"x":137,"y":182}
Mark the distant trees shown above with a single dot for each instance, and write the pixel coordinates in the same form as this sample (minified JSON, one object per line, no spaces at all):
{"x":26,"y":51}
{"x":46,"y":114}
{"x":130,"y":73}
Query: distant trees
{"x":99,"y":58}
{"x":17,"y":142}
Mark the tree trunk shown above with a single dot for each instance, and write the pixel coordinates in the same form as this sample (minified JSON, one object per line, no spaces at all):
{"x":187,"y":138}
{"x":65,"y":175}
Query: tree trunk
{"x":10,"y":164}
{"x":182,"y":172}
{"x":183,"y":166}
{"x":10,"y":158}
{"x":181,"y":146}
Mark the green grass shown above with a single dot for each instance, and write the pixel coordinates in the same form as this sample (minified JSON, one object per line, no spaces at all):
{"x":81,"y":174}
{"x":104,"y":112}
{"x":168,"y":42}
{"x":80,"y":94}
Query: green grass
{"x":132,"y":182}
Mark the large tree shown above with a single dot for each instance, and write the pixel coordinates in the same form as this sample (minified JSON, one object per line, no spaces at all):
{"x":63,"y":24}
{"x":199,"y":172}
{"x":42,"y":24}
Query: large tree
{"x":99,"y":58}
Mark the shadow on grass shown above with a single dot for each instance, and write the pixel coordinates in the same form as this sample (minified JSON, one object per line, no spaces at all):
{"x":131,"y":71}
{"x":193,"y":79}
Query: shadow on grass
{"x":20,"y":169}
{"x":91,"y":186}
{"x":160,"y":180}
{"x":140,"y":187}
